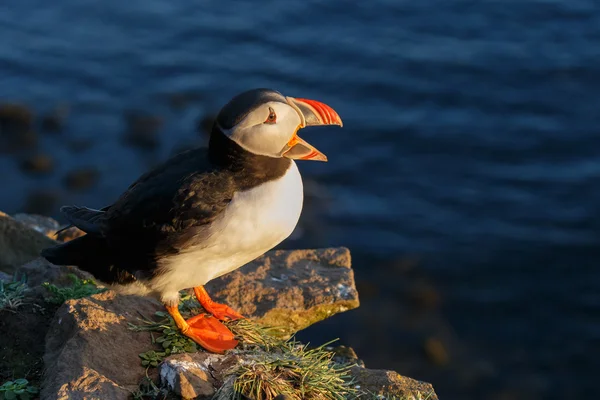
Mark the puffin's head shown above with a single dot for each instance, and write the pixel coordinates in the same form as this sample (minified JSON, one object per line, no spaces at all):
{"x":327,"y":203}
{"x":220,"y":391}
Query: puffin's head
{"x":263,"y":121}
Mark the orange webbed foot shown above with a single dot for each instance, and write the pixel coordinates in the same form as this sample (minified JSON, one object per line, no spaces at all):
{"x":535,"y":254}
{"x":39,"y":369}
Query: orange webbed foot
{"x":220,"y":311}
{"x":205,"y":330}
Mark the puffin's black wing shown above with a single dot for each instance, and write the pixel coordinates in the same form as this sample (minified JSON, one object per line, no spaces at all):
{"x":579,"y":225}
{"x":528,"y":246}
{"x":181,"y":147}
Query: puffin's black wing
{"x":166,"y":206}
{"x":157,"y":216}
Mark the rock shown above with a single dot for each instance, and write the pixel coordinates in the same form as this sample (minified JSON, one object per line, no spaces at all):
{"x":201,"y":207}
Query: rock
{"x":40,"y":270}
{"x":91,"y":353}
{"x":38,"y":163}
{"x":391,"y":384}
{"x":291,"y":289}
{"x":16,"y":128}
{"x":19,"y":243}
{"x":81,"y":178}
{"x":54,"y":120}
{"x":142,"y":130}
{"x":41,"y":201}
{"x":40,"y":223}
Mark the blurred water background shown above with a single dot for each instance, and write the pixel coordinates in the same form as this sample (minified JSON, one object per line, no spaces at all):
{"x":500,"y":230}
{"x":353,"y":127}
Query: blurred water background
{"x":465,"y":179}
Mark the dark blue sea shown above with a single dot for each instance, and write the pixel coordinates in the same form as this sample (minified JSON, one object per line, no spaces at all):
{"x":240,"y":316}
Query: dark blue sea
{"x":466,"y":179}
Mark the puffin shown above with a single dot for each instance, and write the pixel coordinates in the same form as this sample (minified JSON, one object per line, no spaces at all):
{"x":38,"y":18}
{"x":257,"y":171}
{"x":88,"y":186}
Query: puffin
{"x":204,"y":212}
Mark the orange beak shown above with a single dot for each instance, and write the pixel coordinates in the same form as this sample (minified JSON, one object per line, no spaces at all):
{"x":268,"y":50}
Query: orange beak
{"x":312,"y":113}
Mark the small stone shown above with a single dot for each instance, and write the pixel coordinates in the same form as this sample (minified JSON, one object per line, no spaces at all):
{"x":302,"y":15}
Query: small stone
{"x":38,"y":163}
{"x":188,"y":376}
{"x":346,"y":355}
{"x":81,"y":179}
{"x":435,"y":351}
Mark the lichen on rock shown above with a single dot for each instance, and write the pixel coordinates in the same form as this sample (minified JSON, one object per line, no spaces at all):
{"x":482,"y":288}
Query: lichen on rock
{"x":291,"y":289}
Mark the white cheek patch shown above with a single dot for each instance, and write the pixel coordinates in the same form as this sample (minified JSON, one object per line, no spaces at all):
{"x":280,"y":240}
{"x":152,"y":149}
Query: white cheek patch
{"x":255,"y":136}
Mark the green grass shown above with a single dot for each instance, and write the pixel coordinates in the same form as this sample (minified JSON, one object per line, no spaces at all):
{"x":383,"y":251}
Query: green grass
{"x":17,"y":389}
{"x":12,"y":294}
{"x":79,"y":288}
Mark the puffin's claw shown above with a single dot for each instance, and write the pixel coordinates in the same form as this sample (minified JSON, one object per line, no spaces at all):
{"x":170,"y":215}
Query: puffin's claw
{"x":205,"y":330}
{"x":220,"y":311}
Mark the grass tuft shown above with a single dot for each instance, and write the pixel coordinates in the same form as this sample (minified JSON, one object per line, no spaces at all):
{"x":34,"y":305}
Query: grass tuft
{"x":79,"y":288}
{"x":12,"y":294}
{"x":253,"y":335}
{"x":295,"y":371}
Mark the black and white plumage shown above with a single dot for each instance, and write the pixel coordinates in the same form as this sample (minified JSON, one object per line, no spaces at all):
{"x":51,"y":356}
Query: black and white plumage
{"x":204,"y":212}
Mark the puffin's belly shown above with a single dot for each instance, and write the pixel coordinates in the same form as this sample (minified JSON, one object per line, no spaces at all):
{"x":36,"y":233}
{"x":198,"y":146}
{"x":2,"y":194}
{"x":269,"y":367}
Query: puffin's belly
{"x":254,"y":222}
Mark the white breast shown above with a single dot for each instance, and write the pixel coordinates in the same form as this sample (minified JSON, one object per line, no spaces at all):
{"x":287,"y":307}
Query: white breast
{"x":254,"y":222}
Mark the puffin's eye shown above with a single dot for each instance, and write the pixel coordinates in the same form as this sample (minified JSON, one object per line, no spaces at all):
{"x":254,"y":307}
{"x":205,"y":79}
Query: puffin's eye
{"x":272,"y":118}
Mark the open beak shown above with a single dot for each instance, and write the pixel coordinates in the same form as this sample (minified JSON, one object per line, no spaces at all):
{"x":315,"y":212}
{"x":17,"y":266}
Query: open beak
{"x":312,"y":113}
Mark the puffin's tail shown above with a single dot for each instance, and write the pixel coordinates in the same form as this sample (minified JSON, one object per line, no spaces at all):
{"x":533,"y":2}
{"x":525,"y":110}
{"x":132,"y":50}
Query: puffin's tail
{"x":88,"y":252}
